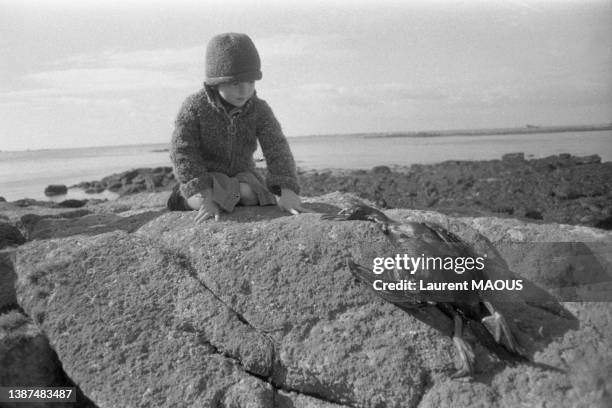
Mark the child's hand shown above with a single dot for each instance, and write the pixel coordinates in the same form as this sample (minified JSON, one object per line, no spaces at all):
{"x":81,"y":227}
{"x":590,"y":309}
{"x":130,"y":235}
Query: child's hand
{"x":289,"y":201}
{"x":208,"y":209}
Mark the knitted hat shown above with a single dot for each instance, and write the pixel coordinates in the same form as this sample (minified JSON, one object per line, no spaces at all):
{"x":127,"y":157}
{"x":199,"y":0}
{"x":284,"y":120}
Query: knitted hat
{"x":231,"y":57}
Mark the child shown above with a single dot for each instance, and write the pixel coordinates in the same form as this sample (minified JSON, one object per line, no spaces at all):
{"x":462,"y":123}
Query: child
{"x":216,"y":134}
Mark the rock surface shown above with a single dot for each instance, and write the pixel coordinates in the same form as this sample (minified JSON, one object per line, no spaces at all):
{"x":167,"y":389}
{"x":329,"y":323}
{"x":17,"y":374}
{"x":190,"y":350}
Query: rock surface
{"x":259,"y":310}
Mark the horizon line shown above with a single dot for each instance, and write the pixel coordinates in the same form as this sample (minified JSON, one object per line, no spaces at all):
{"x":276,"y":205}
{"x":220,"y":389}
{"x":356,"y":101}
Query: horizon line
{"x":527,"y":129}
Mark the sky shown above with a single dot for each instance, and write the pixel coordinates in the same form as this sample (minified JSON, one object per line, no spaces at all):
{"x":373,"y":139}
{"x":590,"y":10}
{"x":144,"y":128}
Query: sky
{"x":80,"y":73}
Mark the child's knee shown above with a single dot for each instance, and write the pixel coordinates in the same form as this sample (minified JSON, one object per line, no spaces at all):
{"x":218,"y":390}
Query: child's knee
{"x":247,"y":195}
{"x":195,"y":202}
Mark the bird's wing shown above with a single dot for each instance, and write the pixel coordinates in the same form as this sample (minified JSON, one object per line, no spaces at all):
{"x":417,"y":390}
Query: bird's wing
{"x":443,"y":234}
{"x":451,"y":241}
{"x":438,"y":249}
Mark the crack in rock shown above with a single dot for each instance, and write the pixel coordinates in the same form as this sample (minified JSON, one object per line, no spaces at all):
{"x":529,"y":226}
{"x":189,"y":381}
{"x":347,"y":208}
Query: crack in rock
{"x":427,"y":384}
{"x":188,"y":266}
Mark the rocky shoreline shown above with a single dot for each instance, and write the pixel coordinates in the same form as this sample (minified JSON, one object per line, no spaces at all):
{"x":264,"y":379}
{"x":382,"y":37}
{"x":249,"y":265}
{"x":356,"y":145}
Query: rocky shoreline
{"x":125,"y":300}
{"x":561,"y":189}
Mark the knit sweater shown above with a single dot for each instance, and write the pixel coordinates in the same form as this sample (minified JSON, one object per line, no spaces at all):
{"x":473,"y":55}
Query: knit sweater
{"x":208,"y":139}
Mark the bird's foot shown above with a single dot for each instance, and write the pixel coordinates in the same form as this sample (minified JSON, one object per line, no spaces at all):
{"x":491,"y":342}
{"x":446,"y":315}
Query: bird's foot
{"x":466,"y":352}
{"x":499,"y":328}
{"x":467,"y":357}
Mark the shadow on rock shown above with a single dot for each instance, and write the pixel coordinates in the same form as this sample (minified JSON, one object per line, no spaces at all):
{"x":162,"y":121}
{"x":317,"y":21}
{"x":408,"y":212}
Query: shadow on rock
{"x":536,"y":314}
{"x":38,"y":227}
{"x":28,"y":360}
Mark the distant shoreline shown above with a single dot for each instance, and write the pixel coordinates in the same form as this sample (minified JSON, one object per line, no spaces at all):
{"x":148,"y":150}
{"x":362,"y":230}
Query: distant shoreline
{"x":528,"y":129}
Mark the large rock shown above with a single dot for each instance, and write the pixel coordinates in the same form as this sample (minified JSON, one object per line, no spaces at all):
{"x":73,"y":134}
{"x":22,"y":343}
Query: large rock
{"x":129,"y":338}
{"x":10,"y":235}
{"x":26,"y":358}
{"x":7,"y":279}
{"x":259,"y":310}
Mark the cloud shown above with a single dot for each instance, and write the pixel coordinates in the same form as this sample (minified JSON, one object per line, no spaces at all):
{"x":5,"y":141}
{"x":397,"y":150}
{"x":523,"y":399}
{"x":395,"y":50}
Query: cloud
{"x":297,"y":49}
{"x":112,"y":71}
{"x":570,"y":91}
{"x":154,"y":69}
{"x":82,"y":80}
{"x":525,"y":6}
{"x":365,"y":96}
{"x":82,"y":85}
{"x":163,"y":58}
{"x":286,"y":45}
{"x":298,"y":45}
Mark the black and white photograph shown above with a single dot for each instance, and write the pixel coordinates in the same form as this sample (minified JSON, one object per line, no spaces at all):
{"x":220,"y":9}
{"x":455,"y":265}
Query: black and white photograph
{"x":305,"y":203}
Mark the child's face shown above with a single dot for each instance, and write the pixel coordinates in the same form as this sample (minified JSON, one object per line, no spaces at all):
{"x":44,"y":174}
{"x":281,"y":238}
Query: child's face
{"x":237,"y":93}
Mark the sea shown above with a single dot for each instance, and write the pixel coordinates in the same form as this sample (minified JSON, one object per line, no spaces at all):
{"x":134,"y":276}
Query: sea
{"x":25,"y":174}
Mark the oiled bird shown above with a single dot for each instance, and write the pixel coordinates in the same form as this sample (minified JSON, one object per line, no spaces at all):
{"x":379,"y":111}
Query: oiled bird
{"x":462,"y":307}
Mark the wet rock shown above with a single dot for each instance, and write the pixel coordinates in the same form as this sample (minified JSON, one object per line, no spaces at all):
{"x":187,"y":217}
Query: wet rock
{"x":27,"y":360}
{"x":114,"y":186}
{"x":381,"y":170}
{"x":29,"y":202}
{"x":10,"y":235}
{"x":25,"y":356}
{"x":513,"y":157}
{"x":534,"y":214}
{"x":133,"y":181}
{"x":55,"y":189}
{"x":502,"y":209}
{"x":8,"y":298}
{"x":567,"y":192}
{"x":83,"y":185}
{"x":592,"y":159}
{"x":72,"y":203}
{"x":550,"y":185}
{"x":605,"y":223}
{"x":94,"y":190}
